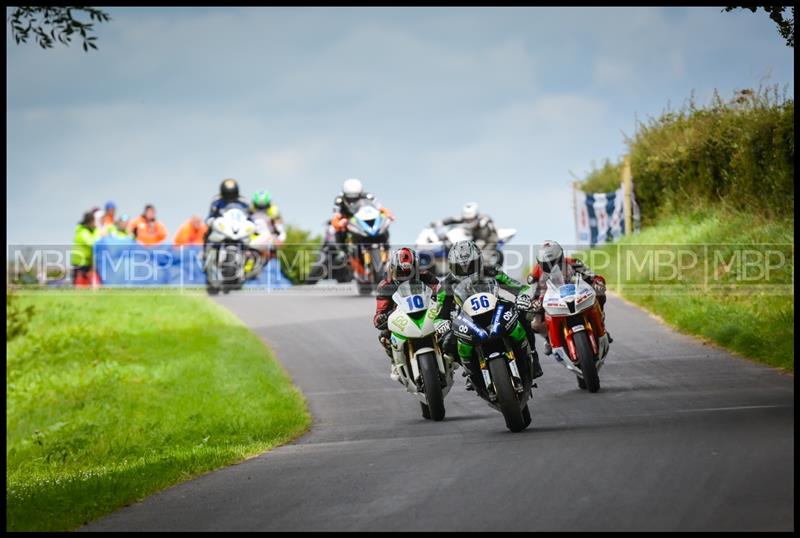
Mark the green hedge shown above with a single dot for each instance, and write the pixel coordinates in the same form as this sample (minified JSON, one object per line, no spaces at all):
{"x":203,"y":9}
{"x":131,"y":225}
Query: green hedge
{"x":604,"y":179}
{"x":297,"y":253}
{"x":740,"y":151}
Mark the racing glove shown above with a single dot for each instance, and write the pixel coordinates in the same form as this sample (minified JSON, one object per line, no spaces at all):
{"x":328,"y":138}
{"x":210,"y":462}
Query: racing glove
{"x":524,"y":301}
{"x":599,"y":286}
{"x":536,"y":306}
{"x":381,"y":320}
{"x":443,"y":326}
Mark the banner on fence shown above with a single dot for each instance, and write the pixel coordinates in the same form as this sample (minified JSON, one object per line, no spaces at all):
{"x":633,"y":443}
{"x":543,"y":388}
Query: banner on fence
{"x":125,"y":262}
{"x":600,"y":217}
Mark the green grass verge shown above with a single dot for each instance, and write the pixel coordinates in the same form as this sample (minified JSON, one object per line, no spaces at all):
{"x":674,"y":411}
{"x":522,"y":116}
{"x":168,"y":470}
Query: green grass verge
{"x":112,"y":396}
{"x":724,"y":275}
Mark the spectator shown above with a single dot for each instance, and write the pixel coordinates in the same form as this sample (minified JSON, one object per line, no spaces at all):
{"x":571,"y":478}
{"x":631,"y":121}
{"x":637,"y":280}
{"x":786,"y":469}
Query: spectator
{"x":108,"y":225}
{"x":122,"y":226}
{"x":146,"y":229}
{"x":109,"y":213}
{"x":191,"y":232}
{"x":81,"y":255}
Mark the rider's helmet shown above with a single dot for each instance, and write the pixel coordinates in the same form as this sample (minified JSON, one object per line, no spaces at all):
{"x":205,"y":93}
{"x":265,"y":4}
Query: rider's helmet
{"x":550,"y":255}
{"x":229,"y":189}
{"x":352,"y":189}
{"x":469,"y":212}
{"x":464,"y":260}
{"x":261,"y":200}
{"x":403,"y":264}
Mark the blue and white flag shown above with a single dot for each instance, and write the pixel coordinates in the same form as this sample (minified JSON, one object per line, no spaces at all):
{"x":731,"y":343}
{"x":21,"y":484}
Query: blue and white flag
{"x":600,"y":216}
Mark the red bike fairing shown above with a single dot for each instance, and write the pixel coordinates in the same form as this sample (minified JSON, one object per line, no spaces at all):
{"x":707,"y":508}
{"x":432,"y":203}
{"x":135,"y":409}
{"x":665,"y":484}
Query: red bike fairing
{"x":555,"y":328}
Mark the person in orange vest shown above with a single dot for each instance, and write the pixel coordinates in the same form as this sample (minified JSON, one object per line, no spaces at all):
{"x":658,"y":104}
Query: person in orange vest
{"x":146,"y":229}
{"x":191,"y":232}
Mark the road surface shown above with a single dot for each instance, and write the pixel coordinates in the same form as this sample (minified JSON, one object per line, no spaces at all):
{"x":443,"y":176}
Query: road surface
{"x":682,"y":436}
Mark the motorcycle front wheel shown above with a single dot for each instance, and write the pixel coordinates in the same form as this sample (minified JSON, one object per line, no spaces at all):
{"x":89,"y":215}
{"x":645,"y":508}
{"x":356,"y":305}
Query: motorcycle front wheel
{"x":506,"y":395}
{"x":429,"y":369}
{"x":586,"y":360}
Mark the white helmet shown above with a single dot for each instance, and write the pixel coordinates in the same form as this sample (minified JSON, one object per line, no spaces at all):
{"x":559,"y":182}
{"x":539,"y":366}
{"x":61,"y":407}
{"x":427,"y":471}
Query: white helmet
{"x":469,"y":211}
{"x":550,"y":255}
{"x":352,"y":188}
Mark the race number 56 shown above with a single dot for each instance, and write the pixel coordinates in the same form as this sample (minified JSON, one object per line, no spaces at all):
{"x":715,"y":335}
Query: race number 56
{"x":479,"y":302}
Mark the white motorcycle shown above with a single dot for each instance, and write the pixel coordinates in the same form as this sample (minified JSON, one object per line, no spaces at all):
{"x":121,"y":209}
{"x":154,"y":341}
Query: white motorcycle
{"x":418,"y":361}
{"x":574,"y":315}
{"x":263,"y":246}
{"x":433,"y":245}
{"x":225,"y":253}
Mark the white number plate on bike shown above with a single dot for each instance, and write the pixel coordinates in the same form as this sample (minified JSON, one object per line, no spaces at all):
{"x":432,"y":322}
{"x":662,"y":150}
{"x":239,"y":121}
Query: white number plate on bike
{"x":480,"y":303}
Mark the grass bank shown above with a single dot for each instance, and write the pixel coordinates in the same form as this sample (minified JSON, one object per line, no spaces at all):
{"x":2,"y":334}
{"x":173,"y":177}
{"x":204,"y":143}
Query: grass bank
{"x":114,"y":395}
{"x":717,"y":273}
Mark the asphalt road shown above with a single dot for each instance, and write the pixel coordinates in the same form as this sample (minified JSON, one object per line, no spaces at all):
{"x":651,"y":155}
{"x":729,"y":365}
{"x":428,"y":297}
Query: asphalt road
{"x":681,"y":436}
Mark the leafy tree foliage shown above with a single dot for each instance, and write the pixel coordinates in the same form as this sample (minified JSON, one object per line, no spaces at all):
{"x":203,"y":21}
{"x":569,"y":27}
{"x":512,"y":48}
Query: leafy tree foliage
{"x":48,"y":24}
{"x":785,"y":25}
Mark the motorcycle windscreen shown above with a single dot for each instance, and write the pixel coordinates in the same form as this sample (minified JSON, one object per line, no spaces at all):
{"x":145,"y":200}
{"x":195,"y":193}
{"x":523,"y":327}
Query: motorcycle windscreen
{"x":474,"y":286}
{"x":412,"y":297}
{"x":368,"y":219}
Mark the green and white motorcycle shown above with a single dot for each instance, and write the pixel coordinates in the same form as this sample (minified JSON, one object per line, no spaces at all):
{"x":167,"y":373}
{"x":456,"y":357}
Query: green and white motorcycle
{"x":418,"y":361}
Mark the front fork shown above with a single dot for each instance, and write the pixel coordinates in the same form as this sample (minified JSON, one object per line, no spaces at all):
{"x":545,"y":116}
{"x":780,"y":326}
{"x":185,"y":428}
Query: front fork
{"x":474,"y":356}
{"x":403,"y":359}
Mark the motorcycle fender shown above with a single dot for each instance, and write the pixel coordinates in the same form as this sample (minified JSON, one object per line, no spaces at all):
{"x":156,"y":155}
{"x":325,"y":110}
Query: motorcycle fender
{"x":422,"y":350}
{"x":487,"y":378}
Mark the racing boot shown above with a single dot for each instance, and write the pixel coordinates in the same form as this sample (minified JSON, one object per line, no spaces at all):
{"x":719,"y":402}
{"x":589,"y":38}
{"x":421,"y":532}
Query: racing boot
{"x":468,"y":385}
{"x":537,"y":368}
{"x":531,"y":334}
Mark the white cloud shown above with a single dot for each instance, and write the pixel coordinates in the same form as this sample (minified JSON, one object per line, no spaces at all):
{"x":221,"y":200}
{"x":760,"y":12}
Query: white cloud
{"x":430,"y":107}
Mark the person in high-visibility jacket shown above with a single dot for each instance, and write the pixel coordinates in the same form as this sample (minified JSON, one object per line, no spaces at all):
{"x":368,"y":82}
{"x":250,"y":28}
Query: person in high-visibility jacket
{"x":81,"y":256}
{"x":146,"y":229}
{"x":191,"y":232}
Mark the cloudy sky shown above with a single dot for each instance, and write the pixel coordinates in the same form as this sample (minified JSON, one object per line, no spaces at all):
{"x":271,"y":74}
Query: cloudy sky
{"x":431,"y":108}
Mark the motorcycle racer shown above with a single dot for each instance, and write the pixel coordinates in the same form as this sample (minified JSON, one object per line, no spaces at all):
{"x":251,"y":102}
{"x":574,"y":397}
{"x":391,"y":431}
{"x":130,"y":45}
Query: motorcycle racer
{"x":228,"y":197}
{"x":466,"y":261}
{"x":403,"y":267}
{"x":480,"y":226}
{"x":268,"y":221}
{"x":550,"y":256}
{"x":347,"y":203}
{"x":263,"y":210}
